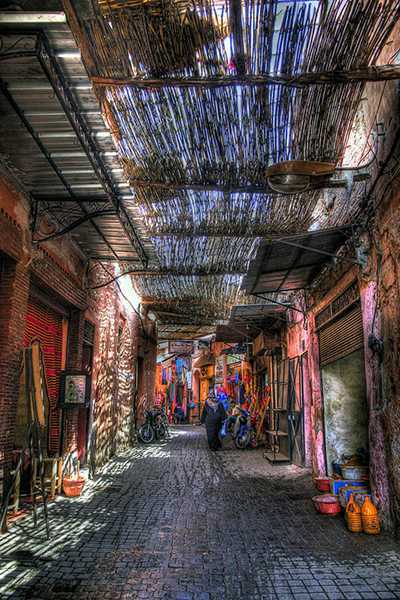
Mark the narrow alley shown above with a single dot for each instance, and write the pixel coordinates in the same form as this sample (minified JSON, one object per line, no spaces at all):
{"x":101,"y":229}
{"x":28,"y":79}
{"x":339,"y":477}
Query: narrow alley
{"x":228,"y":527}
{"x":199,"y":299}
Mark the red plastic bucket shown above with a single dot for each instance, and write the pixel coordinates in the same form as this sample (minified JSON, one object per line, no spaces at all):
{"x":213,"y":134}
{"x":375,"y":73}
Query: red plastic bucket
{"x":323,"y":484}
{"x":327,"y":504}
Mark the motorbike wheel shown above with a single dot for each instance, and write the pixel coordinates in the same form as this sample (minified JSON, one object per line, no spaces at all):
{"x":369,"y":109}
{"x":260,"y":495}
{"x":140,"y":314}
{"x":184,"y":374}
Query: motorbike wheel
{"x":242,"y":441}
{"x":146,"y":433}
{"x":161,"y":431}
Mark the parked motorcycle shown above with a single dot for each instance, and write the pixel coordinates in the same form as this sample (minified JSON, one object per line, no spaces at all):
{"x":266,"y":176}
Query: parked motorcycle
{"x":155,"y":426}
{"x":243,"y":433}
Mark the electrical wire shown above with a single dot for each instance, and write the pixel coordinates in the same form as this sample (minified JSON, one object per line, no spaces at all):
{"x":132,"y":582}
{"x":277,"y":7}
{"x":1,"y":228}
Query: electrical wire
{"x":114,"y":280}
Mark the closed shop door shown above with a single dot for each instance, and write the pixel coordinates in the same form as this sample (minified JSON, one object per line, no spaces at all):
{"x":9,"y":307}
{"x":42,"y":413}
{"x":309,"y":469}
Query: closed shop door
{"x":343,"y":385}
{"x":45,"y":325}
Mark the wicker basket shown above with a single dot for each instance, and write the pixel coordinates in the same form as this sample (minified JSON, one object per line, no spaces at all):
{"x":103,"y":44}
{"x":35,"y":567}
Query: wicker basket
{"x":73,"y":487}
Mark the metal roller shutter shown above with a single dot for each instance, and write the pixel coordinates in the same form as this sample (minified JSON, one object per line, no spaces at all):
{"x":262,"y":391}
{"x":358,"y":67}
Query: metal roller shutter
{"x":45,"y":325}
{"x":341,"y":337}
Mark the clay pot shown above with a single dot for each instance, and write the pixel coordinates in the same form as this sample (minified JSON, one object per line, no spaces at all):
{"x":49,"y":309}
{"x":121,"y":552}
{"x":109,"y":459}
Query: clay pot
{"x":73,"y":486}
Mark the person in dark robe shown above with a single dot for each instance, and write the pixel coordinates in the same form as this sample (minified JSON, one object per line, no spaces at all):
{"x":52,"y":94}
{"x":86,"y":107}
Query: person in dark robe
{"x":213,"y":416}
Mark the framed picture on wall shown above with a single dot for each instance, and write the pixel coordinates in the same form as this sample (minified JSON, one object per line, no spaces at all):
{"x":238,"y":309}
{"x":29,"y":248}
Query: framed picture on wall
{"x":74,"y":389}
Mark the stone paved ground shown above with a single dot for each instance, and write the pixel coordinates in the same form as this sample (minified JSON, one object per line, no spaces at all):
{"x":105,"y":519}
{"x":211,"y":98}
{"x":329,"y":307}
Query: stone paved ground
{"x":175,"y":521}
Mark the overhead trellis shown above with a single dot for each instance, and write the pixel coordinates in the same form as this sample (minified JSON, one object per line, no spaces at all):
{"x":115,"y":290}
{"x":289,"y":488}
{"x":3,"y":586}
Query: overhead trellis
{"x":213,"y":295}
{"x":205,"y":254}
{"x":209,"y":297}
{"x":228,"y":136}
{"x":217,"y":213}
{"x":157,"y":36}
{"x":128,"y":38}
{"x":226,"y":133}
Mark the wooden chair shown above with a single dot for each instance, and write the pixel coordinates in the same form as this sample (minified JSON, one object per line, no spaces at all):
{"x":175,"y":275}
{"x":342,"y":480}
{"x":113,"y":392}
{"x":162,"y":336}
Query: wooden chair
{"x":52,"y":475}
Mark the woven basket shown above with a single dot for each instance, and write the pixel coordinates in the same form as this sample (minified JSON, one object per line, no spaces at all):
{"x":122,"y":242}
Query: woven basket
{"x":73,"y":487}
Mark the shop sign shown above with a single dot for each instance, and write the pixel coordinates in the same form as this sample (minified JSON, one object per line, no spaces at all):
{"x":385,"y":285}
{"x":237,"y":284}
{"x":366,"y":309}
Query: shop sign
{"x":219,"y":369}
{"x":180,"y":347}
{"x":189,"y":380}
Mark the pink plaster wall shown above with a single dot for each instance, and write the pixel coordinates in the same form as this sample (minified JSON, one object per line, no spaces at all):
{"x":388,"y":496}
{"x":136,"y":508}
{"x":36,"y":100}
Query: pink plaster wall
{"x":303,"y":337}
{"x":297,"y":340}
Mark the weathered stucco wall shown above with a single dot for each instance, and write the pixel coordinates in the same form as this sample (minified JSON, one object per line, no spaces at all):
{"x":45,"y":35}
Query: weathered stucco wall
{"x":381,"y":317}
{"x":345,"y":407}
{"x":388,"y":404}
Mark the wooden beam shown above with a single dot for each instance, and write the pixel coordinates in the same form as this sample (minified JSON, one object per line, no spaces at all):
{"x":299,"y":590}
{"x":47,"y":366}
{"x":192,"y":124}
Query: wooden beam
{"x":321,"y":183}
{"x":374,"y":73}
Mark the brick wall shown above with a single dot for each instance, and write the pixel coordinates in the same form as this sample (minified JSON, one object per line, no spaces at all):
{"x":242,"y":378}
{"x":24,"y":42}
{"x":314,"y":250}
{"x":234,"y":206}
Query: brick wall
{"x":74,"y":361}
{"x":14,"y":289}
{"x":113,"y":374}
{"x":52,"y":274}
{"x":58,"y":268}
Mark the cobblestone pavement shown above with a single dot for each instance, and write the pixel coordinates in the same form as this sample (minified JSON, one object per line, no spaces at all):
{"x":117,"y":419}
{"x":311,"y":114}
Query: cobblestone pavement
{"x":176,"y":521}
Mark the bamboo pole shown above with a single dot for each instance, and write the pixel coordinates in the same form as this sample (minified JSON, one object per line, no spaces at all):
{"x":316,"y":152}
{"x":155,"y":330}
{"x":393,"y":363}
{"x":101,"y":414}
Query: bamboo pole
{"x":362,"y":74}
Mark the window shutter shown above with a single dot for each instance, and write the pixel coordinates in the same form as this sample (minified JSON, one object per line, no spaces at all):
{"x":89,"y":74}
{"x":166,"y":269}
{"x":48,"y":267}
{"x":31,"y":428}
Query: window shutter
{"x":341,"y":337}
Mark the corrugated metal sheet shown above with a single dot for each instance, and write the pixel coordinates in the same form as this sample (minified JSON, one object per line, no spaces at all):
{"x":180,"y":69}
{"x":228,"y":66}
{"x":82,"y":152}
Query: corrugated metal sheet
{"x":291,"y":262}
{"x":31,"y":90}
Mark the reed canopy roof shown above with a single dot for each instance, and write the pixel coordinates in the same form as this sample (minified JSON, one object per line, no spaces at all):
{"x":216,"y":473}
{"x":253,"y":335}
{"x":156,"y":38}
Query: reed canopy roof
{"x":201,"y":97}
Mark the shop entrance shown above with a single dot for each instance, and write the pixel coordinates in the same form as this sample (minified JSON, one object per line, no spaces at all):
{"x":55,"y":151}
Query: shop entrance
{"x":286,"y":411}
{"x":343,"y":387}
{"x":49,"y":327}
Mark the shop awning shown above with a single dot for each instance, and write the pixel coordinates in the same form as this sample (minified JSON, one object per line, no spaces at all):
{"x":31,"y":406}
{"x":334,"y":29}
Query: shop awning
{"x":247,"y":320}
{"x":251,"y":313}
{"x":234,"y":335}
{"x":291,"y":262}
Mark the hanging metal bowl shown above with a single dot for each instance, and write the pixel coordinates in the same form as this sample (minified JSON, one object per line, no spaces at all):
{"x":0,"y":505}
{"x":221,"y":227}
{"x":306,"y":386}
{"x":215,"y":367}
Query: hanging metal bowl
{"x":289,"y":183}
{"x":296,"y":176}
